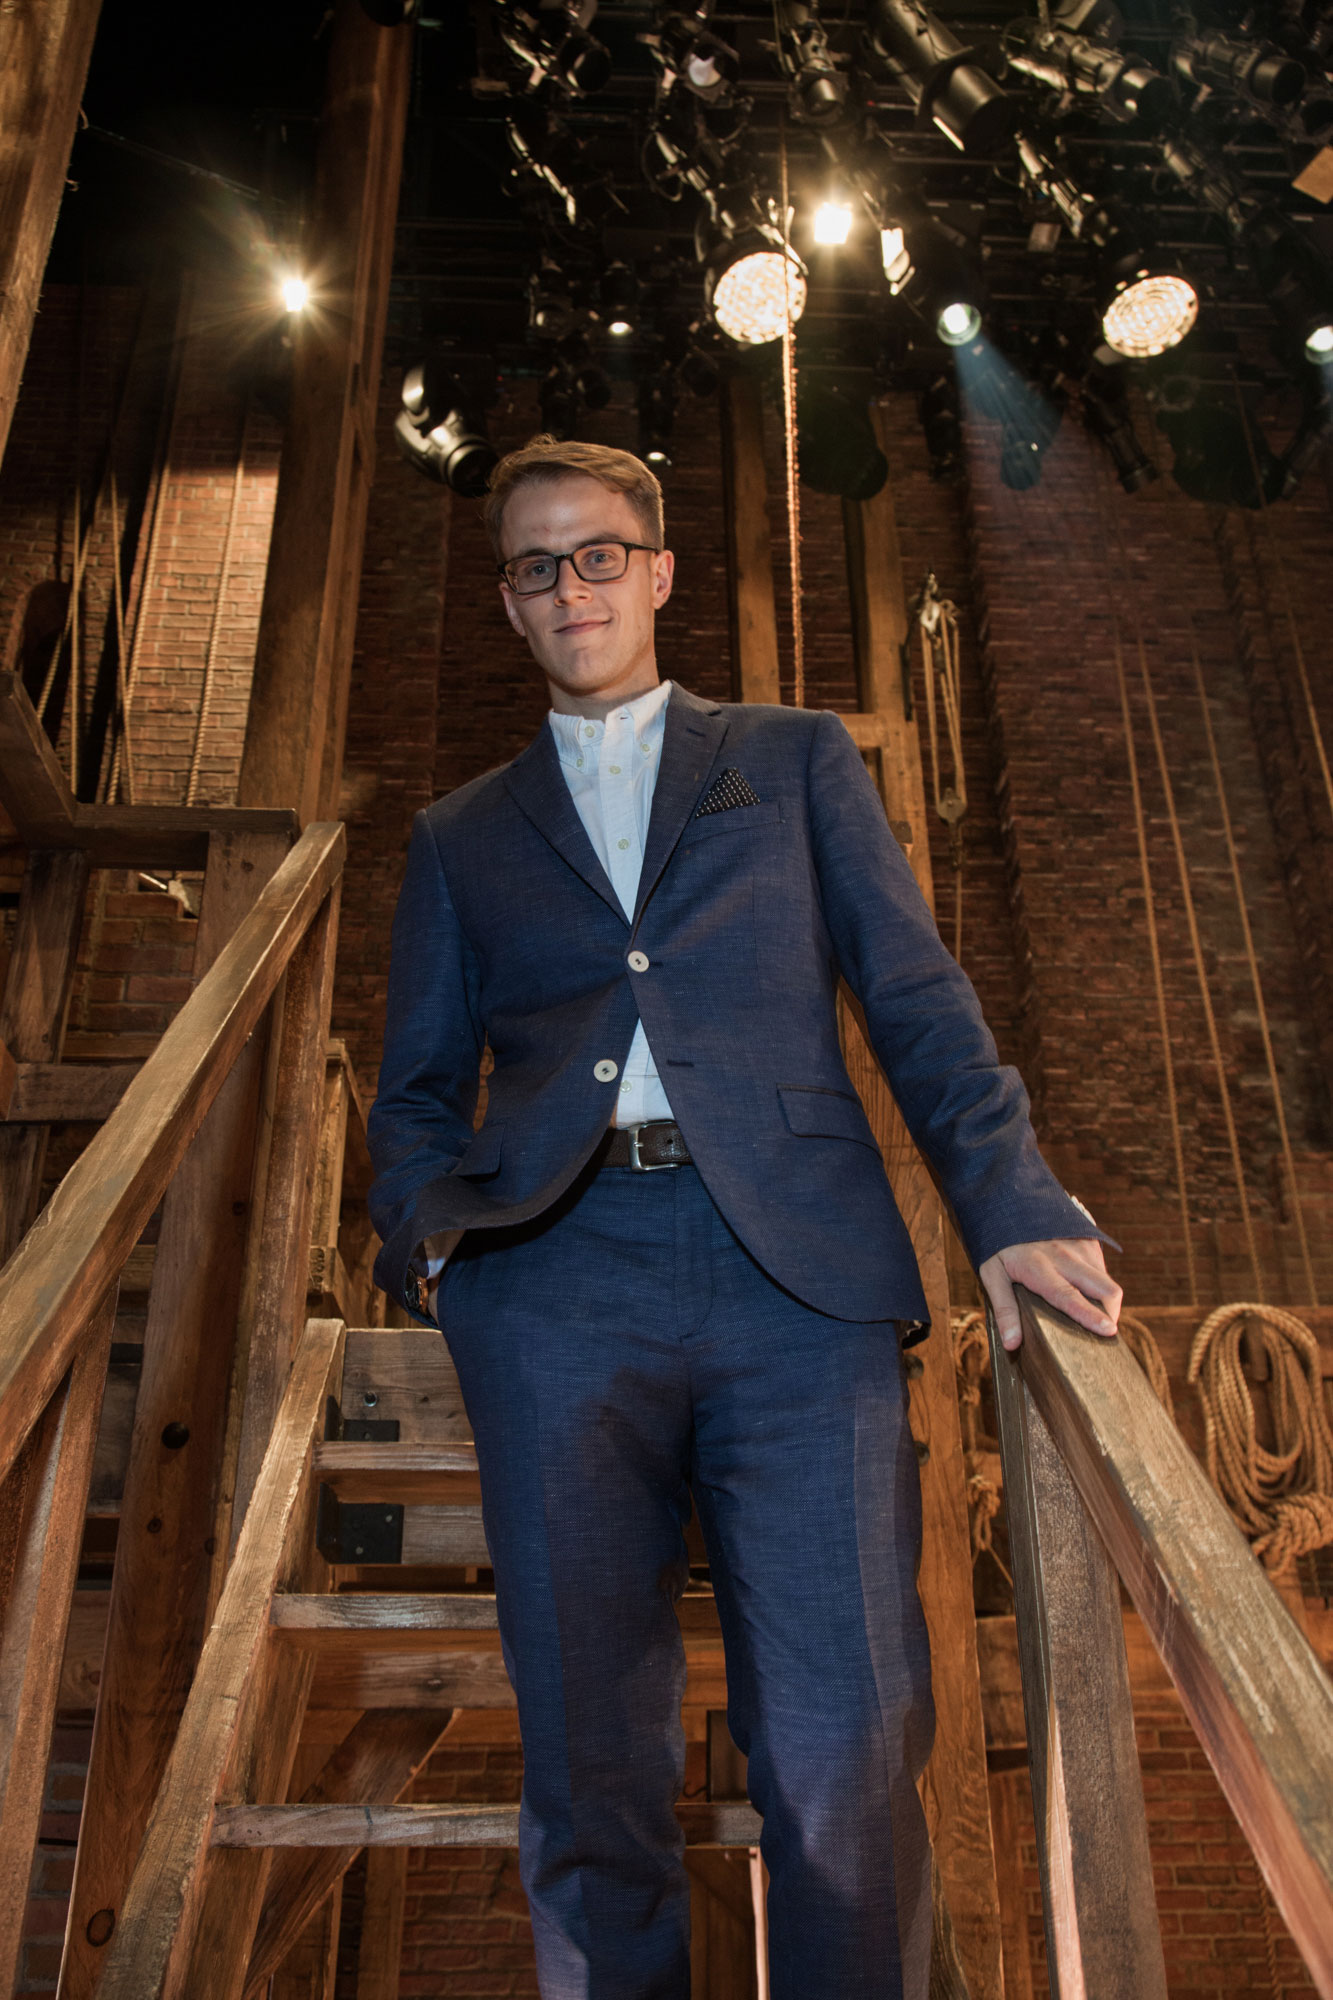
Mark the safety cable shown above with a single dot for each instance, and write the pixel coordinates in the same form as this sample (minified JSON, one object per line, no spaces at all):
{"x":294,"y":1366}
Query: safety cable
{"x":790,"y":440}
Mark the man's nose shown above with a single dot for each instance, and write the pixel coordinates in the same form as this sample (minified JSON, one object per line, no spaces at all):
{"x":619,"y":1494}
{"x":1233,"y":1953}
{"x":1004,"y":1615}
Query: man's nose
{"x":568,"y":582}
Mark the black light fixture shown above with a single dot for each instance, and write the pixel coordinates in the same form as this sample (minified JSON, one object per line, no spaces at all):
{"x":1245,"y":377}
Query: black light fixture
{"x":553,"y":44}
{"x":1125,"y":86}
{"x":839,"y":452}
{"x":440,"y":430}
{"x":937,"y":410}
{"x":657,"y":417}
{"x":687,"y":50}
{"x":1257,"y":71}
{"x":1104,"y":407}
{"x":618,"y":298}
{"x":558,"y":399}
{"x":818,"y":93}
{"x":931,"y":268}
{"x":940,"y":75}
{"x":1145,"y":303}
{"x":552,"y":313}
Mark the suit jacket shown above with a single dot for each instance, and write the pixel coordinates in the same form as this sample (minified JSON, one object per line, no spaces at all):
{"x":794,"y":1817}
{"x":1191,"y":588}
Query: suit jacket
{"x":508,"y":931}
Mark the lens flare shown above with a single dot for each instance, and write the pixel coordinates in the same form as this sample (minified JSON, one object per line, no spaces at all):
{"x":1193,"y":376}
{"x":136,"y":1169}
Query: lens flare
{"x":1150,"y":314}
{"x":753,"y":297}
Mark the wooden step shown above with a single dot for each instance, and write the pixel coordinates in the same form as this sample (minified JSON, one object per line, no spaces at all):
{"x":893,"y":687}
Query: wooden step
{"x":405,"y":1474}
{"x":397,"y":1619}
{"x":706,"y":1824}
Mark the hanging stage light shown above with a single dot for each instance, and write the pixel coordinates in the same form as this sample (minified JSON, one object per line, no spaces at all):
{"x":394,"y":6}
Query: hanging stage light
{"x":1146,"y":304}
{"x":1319,"y":343}
{"x":1256,"y":71}
{"x":754,"y":282}
{"x":619,"y":297}
{"x":818,"y":87}
{"x":833,"y":223}
{"x":439,"y":430}
{"x":1104,"y":405}
{"x":295,"y":294}
{"x":940,"y":76}
{"x":839,"y":452}
{"x":657,"y":417}
{"x":707,"y":66}
{"x":928,"y":267}
{"x":553,"y":44}
{"x":937,"y":408}
{"x":1125,"y":86}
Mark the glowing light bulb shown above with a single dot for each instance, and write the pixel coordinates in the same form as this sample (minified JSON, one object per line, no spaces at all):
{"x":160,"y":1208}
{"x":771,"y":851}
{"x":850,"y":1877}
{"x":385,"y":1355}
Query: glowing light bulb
{"x":1319,"y":344}
{"x":958,"y":323}
{"x":754,"y":296}
{"x":833,"y":222}
{"x":897,"y":263}
{"x":295,"y":294}
{"x":1149,"y":315}
{"x":620,"y":326}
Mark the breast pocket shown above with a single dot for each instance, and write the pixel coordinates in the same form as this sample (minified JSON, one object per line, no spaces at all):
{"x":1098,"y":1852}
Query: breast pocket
{"x":737,"y":819}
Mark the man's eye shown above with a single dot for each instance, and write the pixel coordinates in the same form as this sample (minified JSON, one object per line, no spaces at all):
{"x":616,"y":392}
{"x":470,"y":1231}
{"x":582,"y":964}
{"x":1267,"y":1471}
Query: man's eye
{"x":536,"y":571}
{"x":599,"y":558}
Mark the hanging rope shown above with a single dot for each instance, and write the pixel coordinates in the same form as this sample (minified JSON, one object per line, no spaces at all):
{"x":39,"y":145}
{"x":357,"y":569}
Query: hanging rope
{"x":1192,"y":924}
{"x":1256,"y":982}
{"x":118,"y":596}
{"x":985,"y":1485}
{"x":1155,"y":955}
{"x":1284,"y":581}
{"x":1283,"y":1498}
{"x":937,"y":618}
{"x":208,"y":690}
{"x":789,"y":428}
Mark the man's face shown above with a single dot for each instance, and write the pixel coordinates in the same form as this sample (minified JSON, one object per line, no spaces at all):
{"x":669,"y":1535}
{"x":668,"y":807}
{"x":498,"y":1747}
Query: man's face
{"x":593,"y":641}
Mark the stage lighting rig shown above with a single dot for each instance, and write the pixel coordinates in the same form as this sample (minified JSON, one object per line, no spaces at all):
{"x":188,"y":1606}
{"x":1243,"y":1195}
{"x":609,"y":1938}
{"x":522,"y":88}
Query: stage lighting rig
{"x":1124,"y":85}
{"x":754,"y":282}
{"x":554,"y":46}
{"x":440,"y":429}
{"x":1145,"y":304}
{"x":1256,"y":71}
{"x":558,"y":398}
{"x":618,"y":299}
{"x":687,"y":50}
{"x":928,"y":265}
{"x":818,"y":88}
{"x":937,"y":409}
{"x":941,"y":77}
{"x":546,"y":150}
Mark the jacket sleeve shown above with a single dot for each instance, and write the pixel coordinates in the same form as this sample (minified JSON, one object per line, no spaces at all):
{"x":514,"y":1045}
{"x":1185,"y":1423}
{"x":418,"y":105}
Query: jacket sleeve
{"x":967,"y":1111}
{"x":421,"y":1122}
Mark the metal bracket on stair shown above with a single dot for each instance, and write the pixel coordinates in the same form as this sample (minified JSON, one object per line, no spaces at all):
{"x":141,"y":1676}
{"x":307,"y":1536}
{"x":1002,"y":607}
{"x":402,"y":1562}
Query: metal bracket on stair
{"x":347,"y":1533}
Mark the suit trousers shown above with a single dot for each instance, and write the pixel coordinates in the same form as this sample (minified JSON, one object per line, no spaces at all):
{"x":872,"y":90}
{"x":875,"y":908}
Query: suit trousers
{"x":617,"y":1353}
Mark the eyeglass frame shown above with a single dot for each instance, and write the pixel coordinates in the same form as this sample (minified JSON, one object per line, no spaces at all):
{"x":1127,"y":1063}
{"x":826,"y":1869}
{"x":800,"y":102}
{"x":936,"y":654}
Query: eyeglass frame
{"x":568,"y":555}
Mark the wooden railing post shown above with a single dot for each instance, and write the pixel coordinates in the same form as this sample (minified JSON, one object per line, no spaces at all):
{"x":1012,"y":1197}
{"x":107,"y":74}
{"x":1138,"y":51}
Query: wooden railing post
{"x":42,"y":1506}
{"x":160,"y":1582}
{"x":32,"y":1016}
{"x":1102,"y":1936}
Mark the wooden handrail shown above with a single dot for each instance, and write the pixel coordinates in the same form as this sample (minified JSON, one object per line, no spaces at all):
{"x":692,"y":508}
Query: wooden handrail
{"x":81,"y":1239}
{"x":1249,"y":1681}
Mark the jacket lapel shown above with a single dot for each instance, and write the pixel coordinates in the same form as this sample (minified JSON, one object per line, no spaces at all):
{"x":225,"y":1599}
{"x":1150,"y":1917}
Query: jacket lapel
{"x":692,"y":738}
{"x":537,"y":784}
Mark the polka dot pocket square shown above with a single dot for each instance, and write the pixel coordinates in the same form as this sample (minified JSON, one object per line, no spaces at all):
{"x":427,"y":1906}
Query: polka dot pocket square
{"x":727,"y":791}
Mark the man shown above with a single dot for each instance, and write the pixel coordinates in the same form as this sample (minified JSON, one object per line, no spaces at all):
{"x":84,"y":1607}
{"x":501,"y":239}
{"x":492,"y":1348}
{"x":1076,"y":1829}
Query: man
{"x":681,"y":1267}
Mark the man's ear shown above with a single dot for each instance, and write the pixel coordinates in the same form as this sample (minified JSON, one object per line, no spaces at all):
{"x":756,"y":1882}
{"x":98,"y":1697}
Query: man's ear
{"x":511,"y":610}
{"x":664,"y":571}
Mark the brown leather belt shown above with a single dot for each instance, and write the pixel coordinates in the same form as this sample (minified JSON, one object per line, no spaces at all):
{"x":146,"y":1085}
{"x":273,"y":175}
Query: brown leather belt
{"x":644,"y":1149}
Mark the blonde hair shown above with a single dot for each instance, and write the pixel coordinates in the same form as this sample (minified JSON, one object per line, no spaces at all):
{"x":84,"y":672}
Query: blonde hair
{"x":545,"y":458}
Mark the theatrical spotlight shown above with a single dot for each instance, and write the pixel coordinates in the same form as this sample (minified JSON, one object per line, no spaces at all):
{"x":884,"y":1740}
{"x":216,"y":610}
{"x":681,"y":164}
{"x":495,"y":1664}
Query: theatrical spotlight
{"x":1124,"y":85}
{"x":1256,"y":71}
{"x":1104,"y":406}
{"x":929,"y":267}
{"x":618,"y":297}
{"x":1146,"y":306}
{"x":295,"y":293}
{"x":940,"y":76}
{"x":685,"y":48}
{"x":558,"y":400}
{"x":553,"y":45}
{"x":754,"y":282}
{"x":818,"y":87}
{"x":439,"y":430}
{"x":657,"y":417}
{"x":833,"y":223}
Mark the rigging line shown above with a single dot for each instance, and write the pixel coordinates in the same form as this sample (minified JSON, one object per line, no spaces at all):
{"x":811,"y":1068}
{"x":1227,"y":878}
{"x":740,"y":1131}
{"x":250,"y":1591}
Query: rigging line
{"x":1284,"y":581}
{"x":207,"y":691}
{"x":1150,"y":912}
{"x":789,"y":428}
{"x":118,"y":591}
{"x":1242,"y":909}
{"x":1191,"y":916}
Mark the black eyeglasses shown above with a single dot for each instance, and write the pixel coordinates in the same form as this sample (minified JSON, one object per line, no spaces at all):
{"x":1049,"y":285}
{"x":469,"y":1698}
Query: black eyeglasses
{"x":595,"y":562}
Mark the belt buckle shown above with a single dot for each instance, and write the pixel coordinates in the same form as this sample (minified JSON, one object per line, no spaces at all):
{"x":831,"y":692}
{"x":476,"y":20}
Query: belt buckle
{"x":645,"y":1166}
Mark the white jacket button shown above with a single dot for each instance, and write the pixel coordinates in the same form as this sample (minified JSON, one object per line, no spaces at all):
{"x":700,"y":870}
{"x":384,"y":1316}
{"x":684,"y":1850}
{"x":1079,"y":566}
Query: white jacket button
{"x":638,"y":961}
{"x":605,"y":1070}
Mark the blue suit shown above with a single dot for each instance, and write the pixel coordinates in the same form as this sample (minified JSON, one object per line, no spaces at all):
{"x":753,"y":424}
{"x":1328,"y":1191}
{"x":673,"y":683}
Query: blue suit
{"x":728,"y":1328}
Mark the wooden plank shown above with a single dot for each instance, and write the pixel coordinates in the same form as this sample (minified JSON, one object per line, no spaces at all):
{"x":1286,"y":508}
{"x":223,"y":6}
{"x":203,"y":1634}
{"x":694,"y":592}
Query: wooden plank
{"x":403,"y":1375}
{"x":706,"y":1823}
{"x":1248,"y":1678}
{"x":295,"y":1615}
{"x":381,"y":1953}
{"x":159,"y":1586}
{"x":954,"y":1789}
{"x":41,"y":1530}
{"x":44,"y":53}
{"x":9,"y":1074}
{"x":32,"y":1022}
{"x":458,"y":1671}
{"x":227,"y":1721}
{"x":81,"y":1093}
{"x":1102,"y":1934}
{"x":1009,"y":1872}
{"x":51,"y":1282}
{"x":281,"y":1249}
{"x":750,"y":603}
{"x":293,"y":747}
{"x":373,"y":1766}
{"x":451,"y":1536}
{"x":409,"y":1474}
{"x":33,"y":788}
{"x":168,"y":839}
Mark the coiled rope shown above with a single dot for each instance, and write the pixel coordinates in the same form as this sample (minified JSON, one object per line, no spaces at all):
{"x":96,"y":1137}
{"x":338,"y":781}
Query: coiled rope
{"x":1283,"y":1498}
{"x":937,"y":618}
{"x":985,"y":1486}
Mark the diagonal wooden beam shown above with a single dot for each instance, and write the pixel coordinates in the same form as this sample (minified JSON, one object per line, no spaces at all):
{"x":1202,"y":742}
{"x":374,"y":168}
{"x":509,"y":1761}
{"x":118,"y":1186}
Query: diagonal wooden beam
{"x":33,"y":789}
{"x":373,"y":1766}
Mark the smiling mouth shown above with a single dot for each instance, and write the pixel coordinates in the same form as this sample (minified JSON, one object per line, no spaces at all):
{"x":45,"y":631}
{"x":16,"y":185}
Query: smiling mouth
{"x":582,"y":625}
